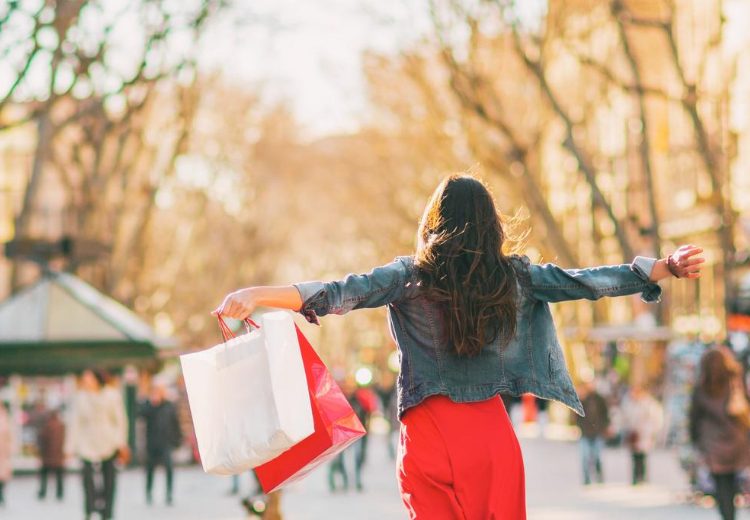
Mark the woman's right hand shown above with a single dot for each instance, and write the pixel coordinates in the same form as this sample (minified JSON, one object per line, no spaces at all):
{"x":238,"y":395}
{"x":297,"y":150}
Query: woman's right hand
{"x":238,"y":304}
{"x":241,"y":304}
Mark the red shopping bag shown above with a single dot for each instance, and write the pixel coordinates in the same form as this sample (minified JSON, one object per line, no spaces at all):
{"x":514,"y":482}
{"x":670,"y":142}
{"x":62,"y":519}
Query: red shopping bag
{"x":336,"y":427}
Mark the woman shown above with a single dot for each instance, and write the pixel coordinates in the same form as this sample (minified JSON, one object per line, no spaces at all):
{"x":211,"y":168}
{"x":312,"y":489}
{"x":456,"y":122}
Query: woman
{"x":643,"y":418}
{"x":97,"y":435}
{"x":51,"y":442}
{"x":471,"y":323}
{"x":163,"y":436}
{"x":720,"y":436}
{"x":594,"y":429}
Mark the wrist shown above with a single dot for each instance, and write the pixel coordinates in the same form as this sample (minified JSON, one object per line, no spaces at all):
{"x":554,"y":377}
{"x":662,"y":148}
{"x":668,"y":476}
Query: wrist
{"x":280,"y":297}
{"x":672,"y":266}
{"x":255,"y":295}
{"x":660,"y":270}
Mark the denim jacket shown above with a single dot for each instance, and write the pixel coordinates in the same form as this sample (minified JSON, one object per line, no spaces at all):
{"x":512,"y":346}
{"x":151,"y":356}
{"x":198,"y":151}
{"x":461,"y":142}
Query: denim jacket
{"x":531,"y":363}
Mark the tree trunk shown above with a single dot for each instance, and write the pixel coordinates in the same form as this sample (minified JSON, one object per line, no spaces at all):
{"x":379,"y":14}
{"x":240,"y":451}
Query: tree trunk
{"x":572,"y":145}
{"x":644,"y":147}
{"x":41,"y":154}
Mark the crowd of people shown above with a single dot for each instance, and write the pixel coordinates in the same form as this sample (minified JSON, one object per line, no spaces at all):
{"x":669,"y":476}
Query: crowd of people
{"x":617,"y":413}
{"x":93,"y":430}
{"x":365,"y":401}
{"x":718,"y":422}
{"x":640,"y":425}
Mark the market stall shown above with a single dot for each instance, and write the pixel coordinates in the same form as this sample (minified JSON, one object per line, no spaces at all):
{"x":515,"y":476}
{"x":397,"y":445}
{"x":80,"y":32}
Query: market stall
{"x":57,"y":327}
{"x":61,"y":325}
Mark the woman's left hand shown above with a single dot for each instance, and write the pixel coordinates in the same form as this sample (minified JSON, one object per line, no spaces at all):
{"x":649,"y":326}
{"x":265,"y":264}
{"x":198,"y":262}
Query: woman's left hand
{"x":238,"y":305}
{"x":686,"y":261}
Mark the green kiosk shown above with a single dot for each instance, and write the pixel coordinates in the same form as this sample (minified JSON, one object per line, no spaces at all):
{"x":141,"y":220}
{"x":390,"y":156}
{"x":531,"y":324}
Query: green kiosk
{"x":57,"y":327}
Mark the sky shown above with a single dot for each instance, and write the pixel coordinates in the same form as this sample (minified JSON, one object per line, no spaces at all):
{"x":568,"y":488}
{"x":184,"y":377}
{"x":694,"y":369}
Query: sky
{"x":306,"y":52}
{"x":309,"y":53}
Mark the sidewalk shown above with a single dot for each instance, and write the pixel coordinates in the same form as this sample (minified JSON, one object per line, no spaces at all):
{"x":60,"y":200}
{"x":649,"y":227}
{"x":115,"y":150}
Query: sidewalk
{"x":552,"y":475}
{"x":554,"y":490}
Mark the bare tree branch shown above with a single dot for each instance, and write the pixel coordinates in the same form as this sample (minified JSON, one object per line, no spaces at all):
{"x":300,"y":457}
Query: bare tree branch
{"x":12,"y":7}
{"x":20,"y":121}
{"x":462,"y":82}
{"x":608,"y":74}
{"x":41,"y":155}
{"x":572,"y":145}
{"x":706,"y":149}
{"x":644,"y":146}
{"x":647,"y":22}
{"x":20,"y":75}
{"x":135,"y":242}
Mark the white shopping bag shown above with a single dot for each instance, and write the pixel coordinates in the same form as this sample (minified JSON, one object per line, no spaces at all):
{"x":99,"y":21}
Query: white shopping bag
{"x":249,"y":397}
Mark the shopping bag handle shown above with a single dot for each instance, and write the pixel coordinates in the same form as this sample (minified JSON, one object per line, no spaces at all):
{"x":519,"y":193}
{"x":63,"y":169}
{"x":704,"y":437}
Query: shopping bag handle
{"x":227,"y":333}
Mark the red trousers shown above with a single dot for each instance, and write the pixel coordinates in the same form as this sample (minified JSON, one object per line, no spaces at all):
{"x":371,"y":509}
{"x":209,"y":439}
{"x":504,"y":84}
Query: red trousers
{"x":460,"y":461}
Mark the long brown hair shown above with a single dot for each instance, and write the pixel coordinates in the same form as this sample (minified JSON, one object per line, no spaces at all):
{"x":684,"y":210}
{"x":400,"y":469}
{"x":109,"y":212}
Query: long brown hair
{"x":718,"y":368}
{"x":462,"y":266}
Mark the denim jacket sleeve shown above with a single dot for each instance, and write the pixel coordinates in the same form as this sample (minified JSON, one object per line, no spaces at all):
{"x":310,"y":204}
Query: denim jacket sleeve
{"x":551,"y":283}
{"x":381,"y":286}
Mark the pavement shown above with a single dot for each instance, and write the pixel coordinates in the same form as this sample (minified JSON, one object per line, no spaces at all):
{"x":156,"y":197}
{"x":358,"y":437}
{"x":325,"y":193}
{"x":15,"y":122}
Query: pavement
{"x":553,"y":481}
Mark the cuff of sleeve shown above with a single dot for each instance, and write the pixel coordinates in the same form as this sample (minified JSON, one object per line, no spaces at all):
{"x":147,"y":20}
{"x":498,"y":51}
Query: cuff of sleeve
{"x":313,"y":296}
{"x":643,"y":267}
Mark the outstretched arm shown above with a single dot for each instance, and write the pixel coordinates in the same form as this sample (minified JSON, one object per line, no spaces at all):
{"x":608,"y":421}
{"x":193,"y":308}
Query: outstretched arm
{"x":381,"y":286}
{"x":242,"y":303}
{"x":552,"y":283}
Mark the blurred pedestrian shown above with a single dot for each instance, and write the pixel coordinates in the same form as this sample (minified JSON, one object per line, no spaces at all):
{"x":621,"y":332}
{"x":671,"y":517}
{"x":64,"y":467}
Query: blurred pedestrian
{"x":97,"y":435}
{"x":257,"y":488}
{"x":469,"y":322}
{"x":6,"y":449}
{"x":512,"y":405}
{"x":594,"y":429}
{"x":51,"y":442}
{"x":337,"y":467}
{"x":719,"y":424}
{"x":542,"y":415}
{"x":643,"y":419}
{"x":514,"y":408}
{"x":235,"y":485}
{"x":364,"y":402}
{"x":163,"y":435}
{"x":390,"y":411}
{"x":389,"y":402}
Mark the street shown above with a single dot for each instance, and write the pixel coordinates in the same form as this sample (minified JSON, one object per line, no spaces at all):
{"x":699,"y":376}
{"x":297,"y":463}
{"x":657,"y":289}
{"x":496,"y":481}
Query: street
{"x":552,"y":475}
{"x":544,"y":198}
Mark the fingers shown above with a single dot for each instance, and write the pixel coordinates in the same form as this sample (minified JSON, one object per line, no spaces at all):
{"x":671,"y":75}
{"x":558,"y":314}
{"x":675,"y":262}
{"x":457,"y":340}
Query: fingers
{"x":687,"y":261}
{"x":234,"y":310}
{"x":229,"y":308}
{"x":221,"y":310}
{"x":688,"y":251}
{"x":233,"y":307}
{"x":692,"y":262}
{"x":690,"y":267}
